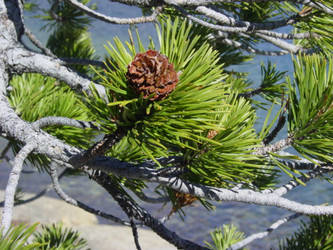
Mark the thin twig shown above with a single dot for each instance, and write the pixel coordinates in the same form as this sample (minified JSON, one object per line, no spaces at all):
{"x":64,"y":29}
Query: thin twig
{"x":14,"y":176}
{"x":232,"y":22}
{"x":319,"y":6}
{"x":276,"y":147}
{"x":115,"y":20}
{"x":135,"y":234}
{"x":250,"y":49}
{"x":265,"y":233}
{"x":69,"y":200}
{"x":37,"y":43}
{"x":62,"y":121}
{"x":288,"y":36}
{"x":294,"y":49}
{"x":31,"y":62}
{"x":99,"y":148}
{"x":36,"y":196}
{"x":293,"y":183}
{"x":304,"y":164}
{"x":228,"y":29}
{"x":270,"y":137}
{"x":133,"y":210}
{"x":53,"y":11}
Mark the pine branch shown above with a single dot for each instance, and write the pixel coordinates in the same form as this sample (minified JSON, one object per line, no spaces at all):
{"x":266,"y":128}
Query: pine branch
{"x":304,"y":164}
{"x":37,"y":43}
{"x":274,"y":226}
{"x":270,"y":137}
{"x":14,"y":176}
{"x":216,"y":27}
{"x":217,"y":194}
{"x":69,"y":200}
{"x":24,"y":61}
{"x":250,"y":49}
{"x":115,"y":20}
{"x":248,"y":26}
{"x":99,"y":148}
{"x":276,"y":147}
{"x":294,"y":49}
{"x":293,"y":184}
{"x":243,"y":195}
{"x":133,"y":210}
{"x":127,"y":170}
{"x":288,"y":36}
{"x":62,"y":121}
{"x":135,"y":234}
{"x":319,"y":6}
{"x":38,"y":195}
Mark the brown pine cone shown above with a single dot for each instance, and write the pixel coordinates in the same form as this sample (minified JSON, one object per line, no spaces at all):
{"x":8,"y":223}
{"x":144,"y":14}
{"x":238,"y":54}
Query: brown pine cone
{"x":151,"y":74}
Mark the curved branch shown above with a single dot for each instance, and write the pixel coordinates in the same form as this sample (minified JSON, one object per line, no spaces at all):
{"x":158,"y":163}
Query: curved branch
{"x":21,"y":61}
{"x":142,"y":172}
{"x":288,"y":36}
{"x":250,"y":49}
{"x":133,"y":210}
{"x":270,"y":137}
{"x":230,"y":21}
{"x":294,"y":49}
{"x":245,"y":196}
{"x":292,"y":184}
{"x":304,"y":164}
{"x":261,"y":235}
{"x":14,"y":176}
{"x":319,"y":6}
{"x":37,"y":43}
{"x":135,"y":234}
{"x":69,"y":200}
{"x":36,"y":196}
{"x":115,"y":20}
{"x":228,"y":29}
{"x":62,"y":121}
{"x":278,"y":146}
{"x":21,"y":131}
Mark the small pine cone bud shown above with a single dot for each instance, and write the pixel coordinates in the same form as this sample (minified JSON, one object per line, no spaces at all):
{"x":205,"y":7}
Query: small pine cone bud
{"x":212,"y":134}
{"x":152,"y":75}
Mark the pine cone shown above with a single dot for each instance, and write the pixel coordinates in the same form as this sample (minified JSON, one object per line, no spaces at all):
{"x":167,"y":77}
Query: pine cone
{"x":152,"y":75}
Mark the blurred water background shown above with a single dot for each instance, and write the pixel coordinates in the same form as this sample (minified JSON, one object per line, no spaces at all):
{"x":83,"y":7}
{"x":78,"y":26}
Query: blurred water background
{"x":198,"y":221}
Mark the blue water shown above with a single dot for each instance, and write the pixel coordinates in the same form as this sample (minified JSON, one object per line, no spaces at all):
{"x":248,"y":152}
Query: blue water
{"x":198,"y":222}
